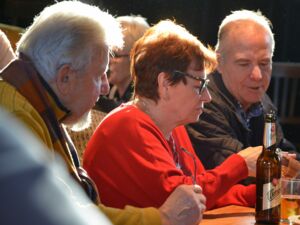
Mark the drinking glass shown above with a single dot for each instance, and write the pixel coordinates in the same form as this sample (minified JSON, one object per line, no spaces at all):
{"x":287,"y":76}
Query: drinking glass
{"x":290,"y":199}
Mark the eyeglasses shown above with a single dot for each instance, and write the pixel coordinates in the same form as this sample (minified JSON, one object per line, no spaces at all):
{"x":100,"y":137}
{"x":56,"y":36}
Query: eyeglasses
{"x":203,"y":84}
{"x":195,"y":164}
{"x":177,"y":160}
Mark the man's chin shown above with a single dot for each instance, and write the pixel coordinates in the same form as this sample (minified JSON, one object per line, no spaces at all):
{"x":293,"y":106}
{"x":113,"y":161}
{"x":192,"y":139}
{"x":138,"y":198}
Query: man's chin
{"x":83,"y":123}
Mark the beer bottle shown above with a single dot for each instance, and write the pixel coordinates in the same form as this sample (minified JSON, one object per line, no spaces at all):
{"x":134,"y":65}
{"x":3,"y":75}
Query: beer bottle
{"x":268,"y":174}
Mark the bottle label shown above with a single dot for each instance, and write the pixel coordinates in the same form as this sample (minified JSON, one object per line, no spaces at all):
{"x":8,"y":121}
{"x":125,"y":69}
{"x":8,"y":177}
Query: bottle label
{"x":271,"y":194}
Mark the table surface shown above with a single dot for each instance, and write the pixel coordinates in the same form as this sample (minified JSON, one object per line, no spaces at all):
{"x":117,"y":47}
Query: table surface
{"x":230,"y":215}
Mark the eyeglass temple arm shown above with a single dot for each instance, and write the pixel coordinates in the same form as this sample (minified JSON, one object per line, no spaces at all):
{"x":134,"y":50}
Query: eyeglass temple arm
{"x":195,"y":164}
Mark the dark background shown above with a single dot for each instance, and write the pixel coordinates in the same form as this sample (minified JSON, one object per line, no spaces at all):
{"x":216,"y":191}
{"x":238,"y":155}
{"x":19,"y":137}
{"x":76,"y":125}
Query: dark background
{"x":201,"y":17}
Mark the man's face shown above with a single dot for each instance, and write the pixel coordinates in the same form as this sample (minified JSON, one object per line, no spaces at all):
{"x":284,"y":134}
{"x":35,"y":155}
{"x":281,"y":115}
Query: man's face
{"x":245,"y":63}
{"x":89,"y":86}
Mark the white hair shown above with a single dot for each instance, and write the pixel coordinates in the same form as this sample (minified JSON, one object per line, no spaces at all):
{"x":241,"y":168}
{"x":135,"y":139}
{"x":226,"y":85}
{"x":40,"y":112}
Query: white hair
{"x":133,"y":28}
{"x":244,"y":15}
{"x":67,"y":33}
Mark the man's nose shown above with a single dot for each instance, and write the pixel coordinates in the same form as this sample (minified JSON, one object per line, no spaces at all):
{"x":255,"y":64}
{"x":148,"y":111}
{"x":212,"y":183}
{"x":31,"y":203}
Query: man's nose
{"x":256,"y":73}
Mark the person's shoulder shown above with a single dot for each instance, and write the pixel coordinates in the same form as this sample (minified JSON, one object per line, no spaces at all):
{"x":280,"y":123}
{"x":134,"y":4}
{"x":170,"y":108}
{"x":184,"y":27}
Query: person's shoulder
{"x":125,"y":113}
{"x":11,"y":99}
{"x":127,"y":116}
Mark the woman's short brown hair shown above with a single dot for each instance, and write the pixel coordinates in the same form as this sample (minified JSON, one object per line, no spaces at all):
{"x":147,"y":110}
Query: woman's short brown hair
{"x":166,"y":47}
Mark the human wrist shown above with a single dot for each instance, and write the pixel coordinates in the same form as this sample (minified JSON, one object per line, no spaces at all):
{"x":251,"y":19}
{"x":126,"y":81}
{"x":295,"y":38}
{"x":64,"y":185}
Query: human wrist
{"x":165,"y":218}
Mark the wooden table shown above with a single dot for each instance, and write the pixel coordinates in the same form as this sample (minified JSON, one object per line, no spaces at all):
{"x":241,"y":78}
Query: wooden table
{"x":230,"y":215}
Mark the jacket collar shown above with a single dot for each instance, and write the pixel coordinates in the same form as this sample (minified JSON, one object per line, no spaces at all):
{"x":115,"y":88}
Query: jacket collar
{"x":19,"y":72}
{"x":61,"y":112}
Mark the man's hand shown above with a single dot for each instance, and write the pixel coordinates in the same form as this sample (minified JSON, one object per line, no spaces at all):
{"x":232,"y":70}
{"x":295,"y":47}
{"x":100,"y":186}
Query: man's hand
{"x":250,"y":155}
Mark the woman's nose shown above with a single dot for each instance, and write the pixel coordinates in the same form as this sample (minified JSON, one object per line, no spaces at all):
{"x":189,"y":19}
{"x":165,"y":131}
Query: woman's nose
{"x":205,"y":96}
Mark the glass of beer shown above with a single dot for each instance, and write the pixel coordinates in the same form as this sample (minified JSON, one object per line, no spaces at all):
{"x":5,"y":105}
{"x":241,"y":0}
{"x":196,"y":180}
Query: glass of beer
{"x":290,"y":199}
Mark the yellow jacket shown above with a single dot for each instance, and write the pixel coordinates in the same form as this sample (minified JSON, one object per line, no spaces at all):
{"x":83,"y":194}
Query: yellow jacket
{"x":16,"y":104}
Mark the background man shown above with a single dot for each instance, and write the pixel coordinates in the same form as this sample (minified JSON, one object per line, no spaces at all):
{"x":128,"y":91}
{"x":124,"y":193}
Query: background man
{"x":234,"y":119}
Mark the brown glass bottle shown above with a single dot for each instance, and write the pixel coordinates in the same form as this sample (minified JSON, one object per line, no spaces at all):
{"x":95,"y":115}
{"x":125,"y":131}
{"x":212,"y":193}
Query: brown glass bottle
{"x":268,"y":174}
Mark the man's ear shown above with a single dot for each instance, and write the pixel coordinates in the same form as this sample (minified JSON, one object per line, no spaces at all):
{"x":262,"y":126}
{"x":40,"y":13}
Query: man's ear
{"x":64,"y":79}
{"x":163,"y":85}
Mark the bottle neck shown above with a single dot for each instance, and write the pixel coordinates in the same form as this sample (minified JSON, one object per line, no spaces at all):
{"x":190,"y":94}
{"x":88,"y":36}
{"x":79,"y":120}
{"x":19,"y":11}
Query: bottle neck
{"x":269,"y":134}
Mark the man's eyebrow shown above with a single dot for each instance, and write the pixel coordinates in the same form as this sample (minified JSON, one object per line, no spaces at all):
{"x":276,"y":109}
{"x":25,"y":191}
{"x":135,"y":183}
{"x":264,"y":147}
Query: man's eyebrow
{"x":242,"y":60}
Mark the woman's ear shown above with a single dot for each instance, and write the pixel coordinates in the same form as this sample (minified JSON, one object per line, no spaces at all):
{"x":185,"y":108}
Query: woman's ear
{"x":64,"y":79}
{"x":163,"y":85}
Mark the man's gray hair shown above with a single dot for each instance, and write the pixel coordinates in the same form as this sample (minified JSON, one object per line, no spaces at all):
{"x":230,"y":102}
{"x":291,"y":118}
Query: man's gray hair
{"x":67,"y":33}
{"x":243,"y":15}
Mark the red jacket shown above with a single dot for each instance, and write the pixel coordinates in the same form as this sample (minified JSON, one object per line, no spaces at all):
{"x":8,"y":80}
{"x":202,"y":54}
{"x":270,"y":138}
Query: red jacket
{"x":132,"y":164}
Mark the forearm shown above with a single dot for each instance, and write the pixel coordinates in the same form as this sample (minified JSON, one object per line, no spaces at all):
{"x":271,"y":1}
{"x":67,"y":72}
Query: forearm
{"x":215,"y":183}
{"x":238,"y":195}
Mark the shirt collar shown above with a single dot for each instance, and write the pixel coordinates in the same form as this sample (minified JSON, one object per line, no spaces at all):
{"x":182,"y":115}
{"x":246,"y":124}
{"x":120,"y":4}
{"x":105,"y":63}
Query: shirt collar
{"x":255,"y":110}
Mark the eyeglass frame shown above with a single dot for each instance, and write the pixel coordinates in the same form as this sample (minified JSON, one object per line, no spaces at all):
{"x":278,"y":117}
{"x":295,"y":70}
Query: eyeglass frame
{"x":194,"y":175}
{"x":177,"y":160}
{"x":116,"y":55}
{"x":204,"y":82}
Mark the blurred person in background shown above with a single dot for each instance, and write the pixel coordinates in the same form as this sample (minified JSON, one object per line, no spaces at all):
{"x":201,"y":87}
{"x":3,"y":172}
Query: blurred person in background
{"x":119,"y":72}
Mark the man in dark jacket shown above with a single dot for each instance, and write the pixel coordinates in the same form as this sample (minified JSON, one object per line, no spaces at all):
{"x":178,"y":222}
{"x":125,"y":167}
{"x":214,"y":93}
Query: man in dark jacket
{"x":234,"y":119}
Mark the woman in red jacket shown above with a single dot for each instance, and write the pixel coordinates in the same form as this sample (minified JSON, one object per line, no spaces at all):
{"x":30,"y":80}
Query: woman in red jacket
{"x":140,"y":152}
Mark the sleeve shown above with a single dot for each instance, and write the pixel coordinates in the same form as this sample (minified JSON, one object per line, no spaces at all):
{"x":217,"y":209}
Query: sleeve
{"x":220,"y":184}
{"x":214,"y":133}
{"x":238,"y":195}
{"x":131,"y":215}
